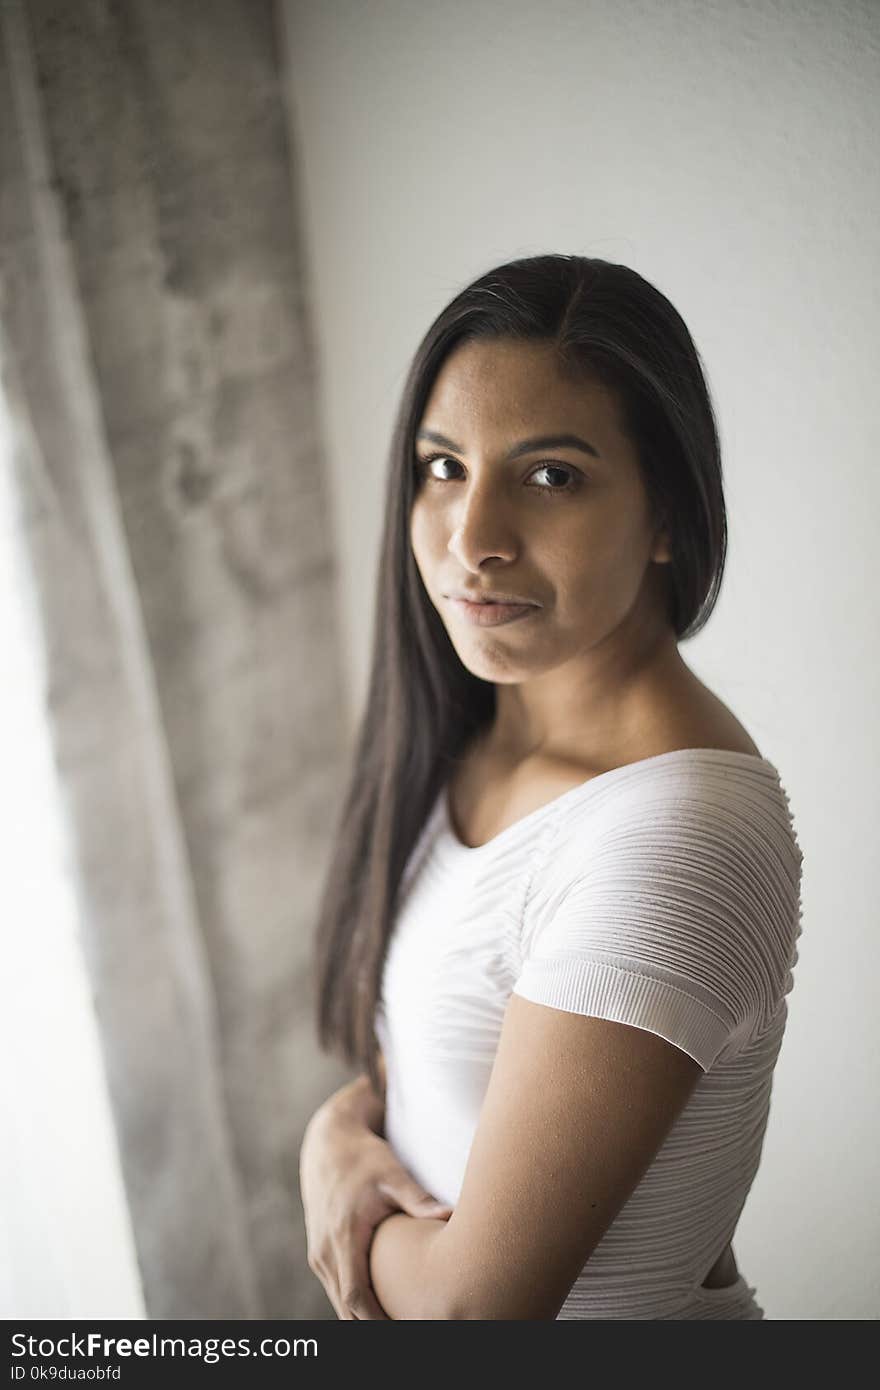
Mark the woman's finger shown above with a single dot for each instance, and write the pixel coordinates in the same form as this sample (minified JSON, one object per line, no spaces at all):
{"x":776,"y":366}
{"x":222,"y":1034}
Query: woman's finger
{"x":402,"y":1189}
{"x":357,"y":1294}
{"x":352,"y":1266}
{"x":326,"y":1275}
{"x":331,"y":1289}
{"x":361,"y":1303}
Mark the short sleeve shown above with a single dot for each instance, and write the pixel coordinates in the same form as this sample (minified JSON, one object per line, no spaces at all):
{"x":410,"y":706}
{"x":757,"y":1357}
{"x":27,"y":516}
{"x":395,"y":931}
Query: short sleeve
{"x":675,"y":911}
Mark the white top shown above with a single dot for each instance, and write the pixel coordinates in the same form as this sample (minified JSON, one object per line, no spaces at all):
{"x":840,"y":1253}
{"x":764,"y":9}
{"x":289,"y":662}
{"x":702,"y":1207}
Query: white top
{"x":664,"y":894}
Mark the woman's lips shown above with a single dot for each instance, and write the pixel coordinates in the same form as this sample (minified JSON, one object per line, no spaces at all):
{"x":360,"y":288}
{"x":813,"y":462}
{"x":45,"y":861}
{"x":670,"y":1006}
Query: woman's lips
{"x":492,"y":614}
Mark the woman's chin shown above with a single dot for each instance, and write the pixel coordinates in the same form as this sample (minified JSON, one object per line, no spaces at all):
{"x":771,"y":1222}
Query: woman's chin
{"x":490,"y":661}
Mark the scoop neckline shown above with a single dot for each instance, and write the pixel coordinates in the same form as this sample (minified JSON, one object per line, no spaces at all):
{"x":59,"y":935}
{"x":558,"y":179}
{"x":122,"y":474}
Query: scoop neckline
{"x":689,"y":754}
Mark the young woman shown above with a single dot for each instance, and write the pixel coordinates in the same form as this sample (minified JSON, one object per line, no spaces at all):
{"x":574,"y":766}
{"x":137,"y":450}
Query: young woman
{"x":561,"y":917}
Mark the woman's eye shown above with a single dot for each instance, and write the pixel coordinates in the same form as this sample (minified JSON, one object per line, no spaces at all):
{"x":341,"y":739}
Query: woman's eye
{"x":426,"y":466}
{"x":560,"y":478}
{"x":564,"y":481}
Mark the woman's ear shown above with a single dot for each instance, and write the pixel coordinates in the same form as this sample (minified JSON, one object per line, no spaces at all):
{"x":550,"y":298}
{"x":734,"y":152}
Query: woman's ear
{"x":661,"y":551}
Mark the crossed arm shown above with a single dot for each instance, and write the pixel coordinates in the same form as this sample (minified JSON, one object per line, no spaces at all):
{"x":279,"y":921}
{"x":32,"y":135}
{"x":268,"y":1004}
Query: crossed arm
{"x":575,"y":1111}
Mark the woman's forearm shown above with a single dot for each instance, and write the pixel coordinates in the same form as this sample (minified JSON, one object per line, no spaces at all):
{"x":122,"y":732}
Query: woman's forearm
{"x":403,"y":1267}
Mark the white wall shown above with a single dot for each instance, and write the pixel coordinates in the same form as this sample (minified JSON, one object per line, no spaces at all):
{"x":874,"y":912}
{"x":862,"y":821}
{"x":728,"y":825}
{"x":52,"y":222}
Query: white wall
{"x":728,"y":152}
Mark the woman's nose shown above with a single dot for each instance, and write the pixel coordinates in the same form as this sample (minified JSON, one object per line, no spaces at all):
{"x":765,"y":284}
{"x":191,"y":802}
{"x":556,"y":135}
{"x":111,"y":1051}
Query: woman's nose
{"x":482,"y":528}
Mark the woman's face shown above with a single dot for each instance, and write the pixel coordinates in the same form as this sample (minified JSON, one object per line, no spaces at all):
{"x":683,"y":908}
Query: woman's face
{"x":565,"y":526}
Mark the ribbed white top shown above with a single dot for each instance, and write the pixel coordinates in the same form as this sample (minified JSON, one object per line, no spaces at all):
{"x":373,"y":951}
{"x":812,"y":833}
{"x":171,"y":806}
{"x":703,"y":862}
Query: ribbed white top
{"x":664,"y":894}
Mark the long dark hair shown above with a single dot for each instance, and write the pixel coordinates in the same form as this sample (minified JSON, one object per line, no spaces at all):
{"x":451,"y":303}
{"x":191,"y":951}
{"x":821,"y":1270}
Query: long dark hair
{"x":423,"y":706}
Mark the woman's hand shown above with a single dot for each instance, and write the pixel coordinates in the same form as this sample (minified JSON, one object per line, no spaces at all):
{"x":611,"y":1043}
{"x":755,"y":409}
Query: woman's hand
{"x":350,"y":1180}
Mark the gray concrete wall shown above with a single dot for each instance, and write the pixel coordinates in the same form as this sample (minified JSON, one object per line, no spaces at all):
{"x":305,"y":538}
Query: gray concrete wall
{"x":159,"y":364}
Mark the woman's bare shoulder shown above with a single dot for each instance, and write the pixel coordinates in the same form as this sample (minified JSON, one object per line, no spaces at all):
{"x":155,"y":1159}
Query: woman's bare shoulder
{"x":682,"y":712}
{"x":487,"y":791}
{"x":710,"y":723}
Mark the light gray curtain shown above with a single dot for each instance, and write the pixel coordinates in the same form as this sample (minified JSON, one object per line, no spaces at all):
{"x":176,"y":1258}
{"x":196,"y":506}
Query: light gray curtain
{"x":158,"y":365}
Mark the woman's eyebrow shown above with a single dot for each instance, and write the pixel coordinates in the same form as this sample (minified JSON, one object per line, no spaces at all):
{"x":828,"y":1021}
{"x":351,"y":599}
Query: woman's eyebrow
{"x":525,"y":446}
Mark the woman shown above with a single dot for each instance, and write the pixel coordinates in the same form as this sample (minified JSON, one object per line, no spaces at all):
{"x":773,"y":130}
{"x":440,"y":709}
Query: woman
{"x":560,"y":920}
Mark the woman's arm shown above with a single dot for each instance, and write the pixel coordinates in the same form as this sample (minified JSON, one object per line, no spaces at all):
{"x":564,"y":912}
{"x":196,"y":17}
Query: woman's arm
{"x":350,"y":1181}
{"x":575,"y":1112}
{"x":358,"y":1101}
{"x":399,"y":1258}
